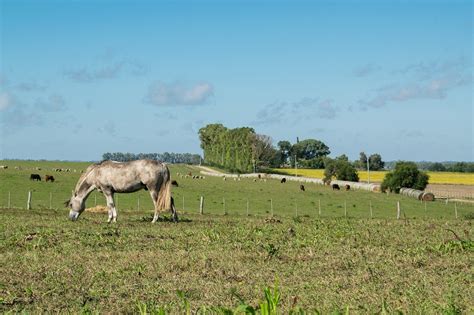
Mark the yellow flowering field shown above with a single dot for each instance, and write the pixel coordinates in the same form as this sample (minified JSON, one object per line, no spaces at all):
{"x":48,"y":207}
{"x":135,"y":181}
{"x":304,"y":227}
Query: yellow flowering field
{"x":377,"y":176}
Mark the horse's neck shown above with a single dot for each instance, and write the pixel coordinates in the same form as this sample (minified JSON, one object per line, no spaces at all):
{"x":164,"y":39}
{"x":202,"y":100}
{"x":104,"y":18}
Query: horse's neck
{"x":84,"y":192}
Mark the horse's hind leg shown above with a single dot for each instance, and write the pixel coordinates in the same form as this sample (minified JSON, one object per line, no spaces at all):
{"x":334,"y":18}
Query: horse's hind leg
{"x":111,"y":205}
{"x":154,"y":197}
{"x":173,"y":210}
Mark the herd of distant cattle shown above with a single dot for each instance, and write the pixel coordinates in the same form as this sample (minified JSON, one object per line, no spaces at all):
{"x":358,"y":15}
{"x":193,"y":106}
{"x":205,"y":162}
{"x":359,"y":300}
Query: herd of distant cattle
{"x":37,"y":177}
{"x":47,"y":178}
{"x":50,"y":178}
{"x":334,"y":186}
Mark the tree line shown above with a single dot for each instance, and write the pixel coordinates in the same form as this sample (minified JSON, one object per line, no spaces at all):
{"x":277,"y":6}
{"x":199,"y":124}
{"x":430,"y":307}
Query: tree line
{"x":239,"y":150}
{"x":168,"y":157}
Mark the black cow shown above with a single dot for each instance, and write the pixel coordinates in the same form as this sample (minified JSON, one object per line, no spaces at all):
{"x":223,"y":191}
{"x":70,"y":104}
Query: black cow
{"x":335,"y":187}
{"x":35,"y":177}
{"x":302,"y":187}
{"x":283,"y":180}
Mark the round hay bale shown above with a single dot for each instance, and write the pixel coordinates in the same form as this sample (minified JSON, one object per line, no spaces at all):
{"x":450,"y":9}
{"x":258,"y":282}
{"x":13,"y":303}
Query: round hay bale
{"x":410,"y":192}
{"x":97,"y":209}
{"x":427,"y":196}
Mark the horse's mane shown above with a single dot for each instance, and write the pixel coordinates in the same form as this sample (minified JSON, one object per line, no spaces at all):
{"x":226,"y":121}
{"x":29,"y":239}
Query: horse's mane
{"x":83,"y":177}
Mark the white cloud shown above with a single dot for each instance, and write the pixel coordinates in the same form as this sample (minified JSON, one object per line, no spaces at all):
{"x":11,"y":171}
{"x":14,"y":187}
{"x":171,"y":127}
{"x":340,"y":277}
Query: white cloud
{"x":5,"y":100}
{"x":422,"y":81}
{"x":178,"y":93}
{"x":304,"y":109}
{"x":365,"y":70}
{"x":108,"y":128}
{"x":54,"y":103}
{"x":105,"y":72}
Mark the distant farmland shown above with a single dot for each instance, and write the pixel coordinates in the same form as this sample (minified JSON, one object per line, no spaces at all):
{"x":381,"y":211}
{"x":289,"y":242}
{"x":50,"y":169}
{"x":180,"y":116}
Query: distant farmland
{"x":378,"y":176}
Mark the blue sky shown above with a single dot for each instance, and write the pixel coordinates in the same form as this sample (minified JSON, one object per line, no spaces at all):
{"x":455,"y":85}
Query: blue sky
{"x":80,"y":78}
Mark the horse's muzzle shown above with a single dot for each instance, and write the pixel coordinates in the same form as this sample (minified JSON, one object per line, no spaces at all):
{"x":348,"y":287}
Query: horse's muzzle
{"x":73,"y":215}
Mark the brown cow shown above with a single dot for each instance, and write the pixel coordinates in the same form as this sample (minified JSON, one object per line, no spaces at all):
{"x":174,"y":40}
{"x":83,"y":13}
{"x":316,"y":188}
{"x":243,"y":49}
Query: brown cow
{"x":49,"y":178}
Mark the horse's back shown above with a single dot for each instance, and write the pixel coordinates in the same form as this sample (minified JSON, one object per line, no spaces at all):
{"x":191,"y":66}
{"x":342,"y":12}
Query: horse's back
{"x":148,"y":172}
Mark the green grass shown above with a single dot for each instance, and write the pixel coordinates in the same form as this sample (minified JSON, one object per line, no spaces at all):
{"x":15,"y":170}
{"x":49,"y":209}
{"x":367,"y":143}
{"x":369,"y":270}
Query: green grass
{"x":286,"y":199}
{"x":419,"y":264}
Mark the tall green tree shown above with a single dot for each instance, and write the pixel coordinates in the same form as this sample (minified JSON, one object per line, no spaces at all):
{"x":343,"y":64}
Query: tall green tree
{"x":309,"y":153}
{"x":376,"y":163}
{"x":284,"y":148}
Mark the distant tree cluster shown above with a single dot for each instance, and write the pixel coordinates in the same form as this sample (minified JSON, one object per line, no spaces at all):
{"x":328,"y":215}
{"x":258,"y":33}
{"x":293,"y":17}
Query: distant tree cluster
{"x":309,"y":153}
{"x":187,"y":158}
{"x":375,"y":162}
{"x":237,"y":150}
{"x":463,"y":167}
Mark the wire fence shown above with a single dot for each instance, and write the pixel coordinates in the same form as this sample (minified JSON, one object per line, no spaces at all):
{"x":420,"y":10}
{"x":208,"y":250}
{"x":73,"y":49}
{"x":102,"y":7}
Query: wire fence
{"x":323,"y":207}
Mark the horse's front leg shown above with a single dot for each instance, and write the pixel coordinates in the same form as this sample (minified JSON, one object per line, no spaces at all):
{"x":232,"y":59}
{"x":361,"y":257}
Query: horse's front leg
{"x":111,"y":205}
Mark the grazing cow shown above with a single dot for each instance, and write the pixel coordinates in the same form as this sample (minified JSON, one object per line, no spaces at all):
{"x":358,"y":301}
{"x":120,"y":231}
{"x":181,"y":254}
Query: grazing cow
{"x":4,"y":167}
{"x":174,"y":183}
{"x":35,"y":177}
{"x":347,"y":187}
{"x":49,"y":178}
{"x":283,"y":180}
{"x":302,"y":187}
{"x":335,"y":187}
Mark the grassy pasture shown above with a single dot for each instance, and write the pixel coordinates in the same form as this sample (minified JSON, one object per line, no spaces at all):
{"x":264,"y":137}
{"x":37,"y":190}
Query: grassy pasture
{"x":286,"y":199}
{"x":327,"y":263}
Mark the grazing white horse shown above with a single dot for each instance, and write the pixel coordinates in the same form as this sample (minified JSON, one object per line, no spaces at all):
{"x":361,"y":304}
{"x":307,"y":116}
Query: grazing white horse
{"x":111,"y":177}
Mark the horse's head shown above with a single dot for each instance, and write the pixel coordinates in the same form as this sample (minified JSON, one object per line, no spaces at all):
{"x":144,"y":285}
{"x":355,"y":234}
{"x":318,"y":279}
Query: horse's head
{"x":77,"y":206}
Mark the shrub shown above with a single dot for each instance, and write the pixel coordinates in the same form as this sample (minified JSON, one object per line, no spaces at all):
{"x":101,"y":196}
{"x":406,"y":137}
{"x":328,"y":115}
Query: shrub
{"x":405,"y":174}
{"x":341,"y":169}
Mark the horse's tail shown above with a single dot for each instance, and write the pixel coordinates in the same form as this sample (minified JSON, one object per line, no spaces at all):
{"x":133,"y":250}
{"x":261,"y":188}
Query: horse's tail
{"x":164,"y":194}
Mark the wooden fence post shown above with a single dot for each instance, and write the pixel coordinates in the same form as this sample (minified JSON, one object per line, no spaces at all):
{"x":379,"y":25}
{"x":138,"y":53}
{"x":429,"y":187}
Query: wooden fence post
{"x":398,"y":210}
{"x":183,"y":202}
{"x":247,"y":207}
{"x":9,"y":201}
{"x":455,"y":210}
{"x":201,"y":205}
{"x":370,"y":206}
{"x":345,"y":208}
{"x":271,"y":207}
{"x":50,"y":200}
{"x":28,"y":203}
